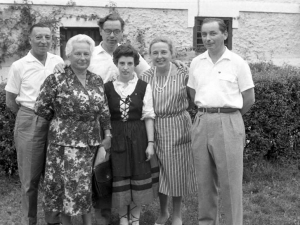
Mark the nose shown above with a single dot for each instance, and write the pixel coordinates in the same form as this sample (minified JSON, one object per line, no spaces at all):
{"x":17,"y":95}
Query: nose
{"x":208,"y":37}
{"x":125,"y":66}
{"x":159,"y":55}
{"x":112,"y":34}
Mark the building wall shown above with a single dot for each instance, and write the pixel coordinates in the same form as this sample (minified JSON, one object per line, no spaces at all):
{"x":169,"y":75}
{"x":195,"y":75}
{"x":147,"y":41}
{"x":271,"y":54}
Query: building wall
{"x":268,"y":37}
{"x":265,"y":30}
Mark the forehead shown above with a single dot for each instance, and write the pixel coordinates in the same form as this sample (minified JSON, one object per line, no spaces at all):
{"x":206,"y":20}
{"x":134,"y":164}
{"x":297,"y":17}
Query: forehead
{"x":112,"y":24}
{"x":80,"y":46}
{"x":126,"y":59}
{"x":160,"y":46}
{"x":211,"y":26}
{"x":41,"y":30}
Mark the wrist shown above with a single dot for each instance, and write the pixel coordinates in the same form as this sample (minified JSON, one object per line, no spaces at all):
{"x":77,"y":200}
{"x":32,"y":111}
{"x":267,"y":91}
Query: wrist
{"x":151,"y":142}
{"x":109,"y":135}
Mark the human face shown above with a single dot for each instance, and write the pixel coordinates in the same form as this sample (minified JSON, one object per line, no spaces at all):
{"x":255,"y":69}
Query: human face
{"x":40,"y":40}
{"x":110,"y":41}
{"x":126,"y":67}
{"x":80,"y":56}
{"x":213,"y":39}
{"x":161,"y":54}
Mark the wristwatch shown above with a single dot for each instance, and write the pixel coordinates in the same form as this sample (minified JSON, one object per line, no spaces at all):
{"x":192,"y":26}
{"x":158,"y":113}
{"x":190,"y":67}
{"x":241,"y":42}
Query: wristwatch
{"x":108,"y":135}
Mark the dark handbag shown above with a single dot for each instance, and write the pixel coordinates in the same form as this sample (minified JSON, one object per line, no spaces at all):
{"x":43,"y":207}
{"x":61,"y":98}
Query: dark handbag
{"x":102,"y":180}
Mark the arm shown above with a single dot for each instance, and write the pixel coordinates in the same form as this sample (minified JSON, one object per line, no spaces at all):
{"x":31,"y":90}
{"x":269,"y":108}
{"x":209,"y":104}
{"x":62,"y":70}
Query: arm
{"x":11,"y":102}
{"x":105,"y":121}
{"x":191,"y":97}
{"x":141,"y":67}
{"x":150,"y":135}
{"x":248,"y":100}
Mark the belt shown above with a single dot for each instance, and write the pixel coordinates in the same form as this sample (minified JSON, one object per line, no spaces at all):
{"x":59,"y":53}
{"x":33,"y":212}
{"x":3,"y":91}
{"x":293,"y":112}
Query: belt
{"x":217,"y":110}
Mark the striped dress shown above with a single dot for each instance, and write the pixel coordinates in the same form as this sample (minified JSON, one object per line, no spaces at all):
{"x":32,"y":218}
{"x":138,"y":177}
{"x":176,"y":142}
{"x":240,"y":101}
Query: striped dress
{"x":172,"y":133}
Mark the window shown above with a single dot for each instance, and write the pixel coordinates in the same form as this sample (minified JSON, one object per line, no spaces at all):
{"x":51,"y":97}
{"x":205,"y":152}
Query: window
{"x":197,"y":40}
{"x":67,"y":32}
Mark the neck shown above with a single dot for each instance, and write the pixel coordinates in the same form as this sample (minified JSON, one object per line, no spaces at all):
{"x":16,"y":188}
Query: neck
{"x":125,"y":79}
{"x":41,"y":58}
{"x":216,"y":55}
{"x":79,"y":73}
{"x":163,"y":70}
{"x":109,"y":49}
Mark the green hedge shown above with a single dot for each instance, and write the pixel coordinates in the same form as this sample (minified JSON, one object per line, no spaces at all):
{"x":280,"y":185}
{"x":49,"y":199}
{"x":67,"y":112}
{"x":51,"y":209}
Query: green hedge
{"x":272,"y":124}
{"x":8,"y":155}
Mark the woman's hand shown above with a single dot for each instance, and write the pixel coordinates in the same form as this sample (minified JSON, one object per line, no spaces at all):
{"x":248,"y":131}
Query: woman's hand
{"x":149,"y":151}
{"x":106,"y":142}
{"x":100,"y":157}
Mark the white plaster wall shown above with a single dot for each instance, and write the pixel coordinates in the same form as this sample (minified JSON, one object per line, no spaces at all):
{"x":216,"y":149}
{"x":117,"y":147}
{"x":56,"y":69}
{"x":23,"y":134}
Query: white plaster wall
{"x":155,"y":22}
{"x":268,"y":37}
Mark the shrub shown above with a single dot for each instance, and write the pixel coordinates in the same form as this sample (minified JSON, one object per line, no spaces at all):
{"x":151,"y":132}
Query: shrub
{"x":273,"y":123}
{"x":8,"y":155}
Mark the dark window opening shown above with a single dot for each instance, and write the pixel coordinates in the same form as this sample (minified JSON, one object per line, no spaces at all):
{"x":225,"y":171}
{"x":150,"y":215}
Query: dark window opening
{"x":67,"y":32}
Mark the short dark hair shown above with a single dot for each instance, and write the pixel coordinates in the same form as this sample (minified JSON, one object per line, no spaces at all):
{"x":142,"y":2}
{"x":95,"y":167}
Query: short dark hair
{"x":127,"y":51}
{"x":38,"y":25}
{"x":222,"y":25}
{"x":113,"y":17}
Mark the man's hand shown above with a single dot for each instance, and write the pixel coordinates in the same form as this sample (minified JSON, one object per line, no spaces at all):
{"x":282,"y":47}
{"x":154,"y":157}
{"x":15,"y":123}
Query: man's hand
{"x":59,"y":68}
{"x":149,"y":151}
{"x":11,"y":102}
{"x":248,"y":100}
{"x":180,"y":64}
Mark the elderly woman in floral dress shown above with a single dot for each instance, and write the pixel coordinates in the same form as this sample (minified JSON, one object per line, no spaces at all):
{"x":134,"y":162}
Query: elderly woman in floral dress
{"x":75,"y":103}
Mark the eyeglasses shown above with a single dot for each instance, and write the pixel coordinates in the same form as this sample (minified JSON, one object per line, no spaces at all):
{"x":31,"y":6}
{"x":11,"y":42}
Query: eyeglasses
{"x":108,"y":31}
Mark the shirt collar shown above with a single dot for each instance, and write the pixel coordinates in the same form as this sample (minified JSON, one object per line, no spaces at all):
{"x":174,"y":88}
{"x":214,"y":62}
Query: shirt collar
{"x":31,"y":58}
{"x":99,"y":49}
{"x":226,"y":55}
{"x":132,"y":81}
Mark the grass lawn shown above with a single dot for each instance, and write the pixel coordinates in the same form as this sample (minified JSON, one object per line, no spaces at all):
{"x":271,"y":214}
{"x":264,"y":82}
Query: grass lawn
{"x":271,"y":197}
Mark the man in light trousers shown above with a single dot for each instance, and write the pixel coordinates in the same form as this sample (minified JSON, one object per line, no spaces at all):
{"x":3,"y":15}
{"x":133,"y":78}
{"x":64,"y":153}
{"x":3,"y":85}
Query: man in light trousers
{"x":221,"y":84}
{"x":25,"y":78}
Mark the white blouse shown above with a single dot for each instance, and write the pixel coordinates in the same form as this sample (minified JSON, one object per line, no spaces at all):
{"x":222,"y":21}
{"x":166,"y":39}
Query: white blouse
{"x":125,"y":89}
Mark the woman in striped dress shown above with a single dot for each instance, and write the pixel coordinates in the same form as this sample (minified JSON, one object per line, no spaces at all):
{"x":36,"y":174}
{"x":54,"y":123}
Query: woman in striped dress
{"x":172,"y":129}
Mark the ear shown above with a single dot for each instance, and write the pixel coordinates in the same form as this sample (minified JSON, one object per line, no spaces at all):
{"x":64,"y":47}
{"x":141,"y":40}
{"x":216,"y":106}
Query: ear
{"x":225,"y":35}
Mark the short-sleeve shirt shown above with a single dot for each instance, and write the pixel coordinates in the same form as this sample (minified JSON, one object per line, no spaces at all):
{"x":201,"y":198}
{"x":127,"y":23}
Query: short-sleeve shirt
{"x":26,"y":76}
{"x":102,"y":64}
{"x":220,"y":84}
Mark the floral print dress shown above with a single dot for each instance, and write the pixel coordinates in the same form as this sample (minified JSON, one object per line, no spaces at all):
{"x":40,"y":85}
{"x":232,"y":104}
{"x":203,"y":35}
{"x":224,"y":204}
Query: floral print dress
{"x":77,"y":115}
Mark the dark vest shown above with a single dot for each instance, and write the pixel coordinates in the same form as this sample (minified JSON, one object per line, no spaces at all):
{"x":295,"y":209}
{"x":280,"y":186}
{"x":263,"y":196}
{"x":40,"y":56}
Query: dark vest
{"x":135,"y":99}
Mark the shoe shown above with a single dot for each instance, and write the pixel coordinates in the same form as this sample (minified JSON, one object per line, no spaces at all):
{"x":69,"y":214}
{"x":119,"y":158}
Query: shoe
{"x":124,"y":220}
{"x":134,"y":220}
{"x":163,"y":222}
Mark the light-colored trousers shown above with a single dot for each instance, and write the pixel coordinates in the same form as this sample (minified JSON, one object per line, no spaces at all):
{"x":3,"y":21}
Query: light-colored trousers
{"x":30,"y":137}
{"x":217,"y":144}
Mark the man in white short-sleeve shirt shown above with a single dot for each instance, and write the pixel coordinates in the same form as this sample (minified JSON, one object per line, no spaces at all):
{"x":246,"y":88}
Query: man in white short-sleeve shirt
{"x":221,"y":84}
{"x":25,"y":78}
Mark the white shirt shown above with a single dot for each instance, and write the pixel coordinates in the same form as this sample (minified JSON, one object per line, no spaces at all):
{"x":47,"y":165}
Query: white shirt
{"x":127,"y":89}
{"x":26,"y":76}
{"x":102,"y":64}
{"x":220,"y":84}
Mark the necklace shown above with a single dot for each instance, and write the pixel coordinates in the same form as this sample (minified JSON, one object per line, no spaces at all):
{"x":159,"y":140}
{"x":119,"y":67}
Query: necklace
{"x":157,"y":87}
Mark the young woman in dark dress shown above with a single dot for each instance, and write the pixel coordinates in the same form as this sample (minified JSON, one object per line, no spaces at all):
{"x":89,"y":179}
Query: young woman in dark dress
{"x":135,"y":169}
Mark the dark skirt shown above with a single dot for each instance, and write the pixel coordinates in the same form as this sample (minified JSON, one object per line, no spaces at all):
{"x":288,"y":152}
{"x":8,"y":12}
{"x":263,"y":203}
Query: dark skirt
{"x":134,"y":178}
